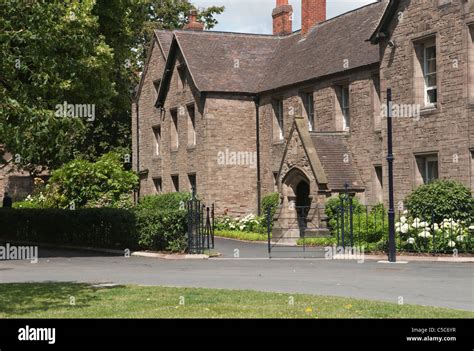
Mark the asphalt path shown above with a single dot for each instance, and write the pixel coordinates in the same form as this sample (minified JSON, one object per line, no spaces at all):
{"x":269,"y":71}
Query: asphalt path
{"x":422,"y":283}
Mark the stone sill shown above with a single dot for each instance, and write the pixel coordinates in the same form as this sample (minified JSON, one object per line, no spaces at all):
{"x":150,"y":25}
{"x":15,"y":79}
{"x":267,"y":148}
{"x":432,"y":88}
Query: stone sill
{"x":191,"y":147}
{"x":429,"y":110}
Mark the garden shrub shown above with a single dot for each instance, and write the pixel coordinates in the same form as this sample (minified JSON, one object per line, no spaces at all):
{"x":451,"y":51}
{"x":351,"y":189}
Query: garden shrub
{"x":333,"y":206}
{"x":444,"y":199}
{"x":249,"y":224}
{"x":168,"y":201}
{"x":162,"y":230}
{"x":162,"y":221}
{"x":101,"y":228}
{"x":369,"y":225}
{"x":270,"y":201}
{"x":415,"y":234}
{"x":85,"y":184}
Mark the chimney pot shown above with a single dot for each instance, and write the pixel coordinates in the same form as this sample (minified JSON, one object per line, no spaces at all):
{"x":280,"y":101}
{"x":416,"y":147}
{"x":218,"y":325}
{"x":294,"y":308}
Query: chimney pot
{"x":193,"y":23}
{"x":282,"y":18}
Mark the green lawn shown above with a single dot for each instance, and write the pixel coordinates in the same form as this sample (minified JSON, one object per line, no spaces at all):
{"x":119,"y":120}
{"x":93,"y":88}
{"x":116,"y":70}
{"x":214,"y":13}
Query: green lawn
{"x":52,"y":300}
{"x":238,"y":235}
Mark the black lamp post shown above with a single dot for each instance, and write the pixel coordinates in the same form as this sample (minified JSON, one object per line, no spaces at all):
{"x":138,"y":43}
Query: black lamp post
{"x":391,"y":210}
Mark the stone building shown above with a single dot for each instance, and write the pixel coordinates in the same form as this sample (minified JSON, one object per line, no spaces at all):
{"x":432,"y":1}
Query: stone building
{"x":238,"y":116}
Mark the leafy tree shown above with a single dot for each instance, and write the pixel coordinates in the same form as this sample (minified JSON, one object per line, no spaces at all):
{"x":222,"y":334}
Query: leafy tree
{"x":50,"y":53}
{"x":81,"y":52}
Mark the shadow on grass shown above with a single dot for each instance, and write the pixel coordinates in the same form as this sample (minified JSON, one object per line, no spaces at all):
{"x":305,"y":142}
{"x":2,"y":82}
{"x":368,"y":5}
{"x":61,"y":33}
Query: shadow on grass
{"x":32,"y":298}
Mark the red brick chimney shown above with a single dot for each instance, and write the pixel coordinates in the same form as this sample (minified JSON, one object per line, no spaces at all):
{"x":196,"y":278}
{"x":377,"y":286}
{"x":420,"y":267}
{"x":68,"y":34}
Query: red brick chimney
{"x":193,"y":23}
{"x":282,"y":22}
{"x":312,"y":12}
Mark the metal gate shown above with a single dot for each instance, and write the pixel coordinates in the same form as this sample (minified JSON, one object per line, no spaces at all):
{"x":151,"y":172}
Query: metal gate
{"x":292,"y":235}
{"x":200,"y":234}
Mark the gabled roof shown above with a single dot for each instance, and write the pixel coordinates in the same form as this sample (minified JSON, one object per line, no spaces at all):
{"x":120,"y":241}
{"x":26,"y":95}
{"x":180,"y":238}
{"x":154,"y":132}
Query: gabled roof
{"x":251,"y":64}
{"x":164,"y":40}
{"x":333,"y":150}
{"x":381,"y":30}
{"x":327,"y":154}
{"x":227,"y":62}
{"x":326,"y":48}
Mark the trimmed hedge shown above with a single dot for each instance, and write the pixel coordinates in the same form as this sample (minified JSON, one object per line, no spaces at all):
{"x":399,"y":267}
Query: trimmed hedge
{"x":162,"y":221}
{"x":162,"y":230}
{"x":165,"y":202}
{"x":98,"y":227}
{"x":158,"y":222}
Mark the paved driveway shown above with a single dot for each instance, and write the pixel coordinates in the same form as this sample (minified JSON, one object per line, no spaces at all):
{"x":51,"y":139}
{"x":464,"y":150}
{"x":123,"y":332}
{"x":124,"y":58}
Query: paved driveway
{"x":233,"y":249}
{"x":424,"y":283}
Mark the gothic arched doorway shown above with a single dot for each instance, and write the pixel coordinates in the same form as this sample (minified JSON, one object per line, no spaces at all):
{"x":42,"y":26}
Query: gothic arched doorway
{"x":302,"y":202}
{"x":296,"y":199}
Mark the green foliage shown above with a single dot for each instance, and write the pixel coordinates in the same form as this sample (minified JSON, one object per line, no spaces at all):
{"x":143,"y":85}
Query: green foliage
{"x":162,"y":221}
{"x":46,"y":301}
{"x":239,"y":235}
{"x":164,"y":202}
{"x":102,"y":228}
{"x":317,"y":241}
{"x":333,"y":207}
{"x":81,"y":52}
{"x":27,"y":204}
{"x":415,"y":234}
{"x":39,"y":72}
{"x":162,"y":230}
{"x":369,"y":225}
{"x":85,"y":184}
{"x":249,"y":224}
{"x":444,"y":198}
{"x":270,"y":201}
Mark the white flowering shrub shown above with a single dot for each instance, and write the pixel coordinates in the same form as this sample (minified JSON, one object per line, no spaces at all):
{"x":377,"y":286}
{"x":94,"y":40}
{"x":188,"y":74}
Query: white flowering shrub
{"x":249,"y":223}
{"x":416,"y":234}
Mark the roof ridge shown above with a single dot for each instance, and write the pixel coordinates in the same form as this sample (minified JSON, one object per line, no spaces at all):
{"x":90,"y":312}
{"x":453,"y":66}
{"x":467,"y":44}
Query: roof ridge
{"x":240,"y":34}
{"x":319,"y":24}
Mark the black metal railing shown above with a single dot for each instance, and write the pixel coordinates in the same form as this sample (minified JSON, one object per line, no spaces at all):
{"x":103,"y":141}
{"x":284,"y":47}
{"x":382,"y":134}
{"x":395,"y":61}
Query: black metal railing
{"x":361,"y":225}
{"x":200,"y":234}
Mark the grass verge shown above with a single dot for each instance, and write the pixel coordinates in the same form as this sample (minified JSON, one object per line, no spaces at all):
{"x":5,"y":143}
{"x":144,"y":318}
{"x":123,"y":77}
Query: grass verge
{"x":52,"y":300}
{"x":236,"y":234}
